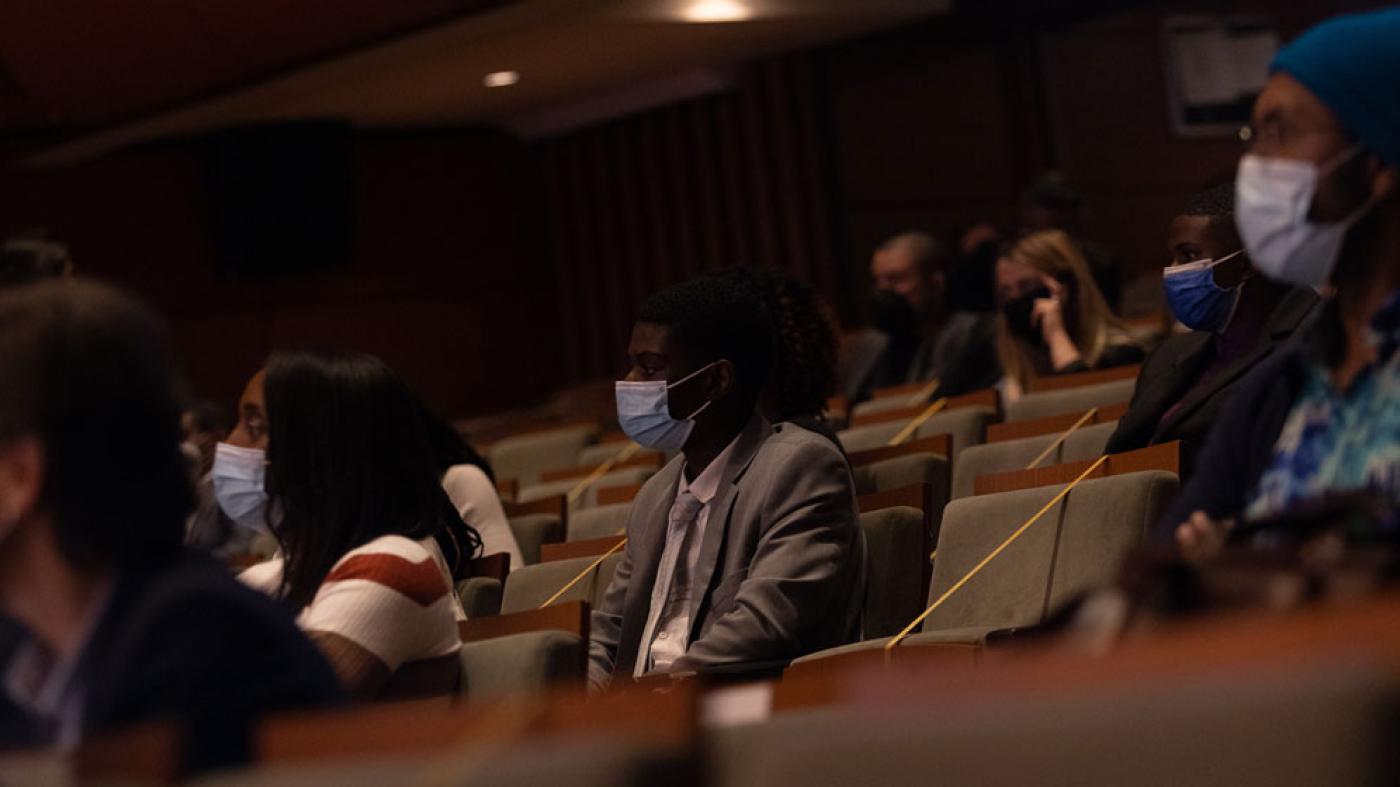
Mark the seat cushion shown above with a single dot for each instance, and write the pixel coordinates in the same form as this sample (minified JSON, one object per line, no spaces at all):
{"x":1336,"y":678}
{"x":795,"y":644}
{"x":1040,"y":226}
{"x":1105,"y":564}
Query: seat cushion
{"x":528,"y":663}
{"x":533,"y":530}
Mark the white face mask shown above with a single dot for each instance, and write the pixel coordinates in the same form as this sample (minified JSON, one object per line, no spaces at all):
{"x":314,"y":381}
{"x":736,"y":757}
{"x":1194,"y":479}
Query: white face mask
{"x":644,"y":413}
{"x":1272,"y":200}
{"x":238,"y":475}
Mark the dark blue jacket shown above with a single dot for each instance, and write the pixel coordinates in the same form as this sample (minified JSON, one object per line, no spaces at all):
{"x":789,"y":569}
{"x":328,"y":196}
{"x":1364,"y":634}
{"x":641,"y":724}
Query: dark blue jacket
{"x":187,"y":642}
{"x":1240,"y":447}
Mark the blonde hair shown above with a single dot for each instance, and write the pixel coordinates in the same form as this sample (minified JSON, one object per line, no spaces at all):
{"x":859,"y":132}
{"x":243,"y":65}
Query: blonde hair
{"x":1091,"y":325}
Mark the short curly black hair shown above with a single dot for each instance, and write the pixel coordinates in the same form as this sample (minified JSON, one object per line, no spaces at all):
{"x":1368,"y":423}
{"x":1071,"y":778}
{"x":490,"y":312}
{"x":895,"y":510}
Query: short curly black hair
{"x":804,"y":337}
{"x":712,"y":317}
{"x":1216,"y":202}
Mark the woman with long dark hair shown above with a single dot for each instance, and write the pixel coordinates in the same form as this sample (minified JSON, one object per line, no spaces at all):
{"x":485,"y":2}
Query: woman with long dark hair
{"x":471,"y":485}
{"x":370,"y":544}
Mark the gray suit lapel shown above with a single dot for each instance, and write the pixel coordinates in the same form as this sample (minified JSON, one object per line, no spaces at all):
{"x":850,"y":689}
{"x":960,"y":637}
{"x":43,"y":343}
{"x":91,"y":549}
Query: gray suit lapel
{"x":721,"y":509}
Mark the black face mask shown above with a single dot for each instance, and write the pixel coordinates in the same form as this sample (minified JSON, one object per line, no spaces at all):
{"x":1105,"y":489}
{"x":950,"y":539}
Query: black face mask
{"x":1018,"y":315}
{"x":893,"y":315}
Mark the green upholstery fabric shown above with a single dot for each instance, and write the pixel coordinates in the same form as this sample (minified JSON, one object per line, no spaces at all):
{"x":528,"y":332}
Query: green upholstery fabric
{"x":1107,"y":519}
{"x":1087,"y":443}
{"x":623,"y":477}
{"x":1078,"y":545}
{"x":1302,"y":726}
{"x":884,"y":404}
{"x":532,"y":530}
{"x":902,"y":471}
{"x":1000,"y":457}
{"x":1087,"y":535}
{"x":967,"y":425}
{"x":598,"y":521}
{"x":480,"y":596}
{"x":528,"y":663}
{"x":1070,"y":400}
{"x":524,"y":457}
{"x":529,"y":587}
{"x":894,"y":592}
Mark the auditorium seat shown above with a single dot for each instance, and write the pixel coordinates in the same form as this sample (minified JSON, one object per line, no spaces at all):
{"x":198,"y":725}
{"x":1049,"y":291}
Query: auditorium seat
{"x":599,"y":521}
{"x":1069,"y":400}
{"x":1077,"y":545}
{"x":480,"y":596}
{"x":1086,"y":443}
{"x":589,"y":498}
{"x":896,"y":555}
{"x":1284,"y":726}
{"x":900,"y":471}
{"x":966,"y":425}
{"x":521,"y":664}
{"x":887,"y":403}
{"x":524,"y":457}
{"x":533,"y":530}
{"x":529,"y":587}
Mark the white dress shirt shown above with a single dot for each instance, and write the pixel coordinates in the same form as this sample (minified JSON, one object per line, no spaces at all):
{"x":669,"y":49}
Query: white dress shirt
{"x":667,"y":633}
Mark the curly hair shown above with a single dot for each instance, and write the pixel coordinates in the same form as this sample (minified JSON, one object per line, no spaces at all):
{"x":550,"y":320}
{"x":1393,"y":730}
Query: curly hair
{"x":804,"y":338}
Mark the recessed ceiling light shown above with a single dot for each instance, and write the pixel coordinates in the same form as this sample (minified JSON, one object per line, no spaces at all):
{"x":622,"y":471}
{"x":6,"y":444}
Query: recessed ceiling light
{"x":716,"y":11}
{"x":501,"y":78}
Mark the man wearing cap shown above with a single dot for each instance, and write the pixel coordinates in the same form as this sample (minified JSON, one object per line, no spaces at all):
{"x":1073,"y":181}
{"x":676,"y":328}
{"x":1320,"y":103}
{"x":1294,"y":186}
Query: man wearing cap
{"x":1318,"y":205}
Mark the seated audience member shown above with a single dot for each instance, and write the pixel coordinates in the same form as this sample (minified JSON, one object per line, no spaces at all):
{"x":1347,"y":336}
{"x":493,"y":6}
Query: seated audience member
{"x":927,"y":338}
{"x":1052,"y":203}
{"x":1053,"y":319}
{"x":29,"y":259}
{"x":110,"y":621}
{"x":745,"y":548}
{"x":1237,"y":319}
{"x":205,"y":425}
{"x":1318,"y":205}
{"x":803,"y":376}
{"x":469,"y":483}
{"x":370,"y":544}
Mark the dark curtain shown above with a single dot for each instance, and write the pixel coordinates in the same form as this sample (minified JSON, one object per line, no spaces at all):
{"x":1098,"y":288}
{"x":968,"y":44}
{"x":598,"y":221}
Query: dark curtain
{"x":642,"y":202}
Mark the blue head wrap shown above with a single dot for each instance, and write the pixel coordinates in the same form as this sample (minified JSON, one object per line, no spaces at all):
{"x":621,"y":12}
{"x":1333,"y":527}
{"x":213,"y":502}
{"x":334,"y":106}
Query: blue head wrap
{"x":1352,"y":64}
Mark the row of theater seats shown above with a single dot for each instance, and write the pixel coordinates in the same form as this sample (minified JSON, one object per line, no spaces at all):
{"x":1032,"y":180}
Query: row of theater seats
{"x":920,"y":544}
{"x":1307,"y":699}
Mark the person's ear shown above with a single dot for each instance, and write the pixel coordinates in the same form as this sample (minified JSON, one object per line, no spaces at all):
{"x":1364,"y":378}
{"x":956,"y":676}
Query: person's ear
{"x":21,"y":479}
{"x":1385,"y":181}
{"x":720,"y":380}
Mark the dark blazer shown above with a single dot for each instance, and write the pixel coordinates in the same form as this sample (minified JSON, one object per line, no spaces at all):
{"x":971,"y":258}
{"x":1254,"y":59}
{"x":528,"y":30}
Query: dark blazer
{"x":187,"y":641}
{"x":1240,"y":447}
{"x":782,"y":562}
{"x":1173,"y":369}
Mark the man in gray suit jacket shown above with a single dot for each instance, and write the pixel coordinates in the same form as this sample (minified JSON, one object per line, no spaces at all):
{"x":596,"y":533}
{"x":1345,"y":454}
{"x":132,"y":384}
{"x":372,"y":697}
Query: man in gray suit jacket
{"x":746,"y":547}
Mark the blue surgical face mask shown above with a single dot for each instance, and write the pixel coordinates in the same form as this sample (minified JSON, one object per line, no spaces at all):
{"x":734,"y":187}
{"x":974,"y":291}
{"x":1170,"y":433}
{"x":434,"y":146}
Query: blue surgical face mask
{"x":238,"y":485}
{"x":644,"y":413}
{"x":1196,"y":300}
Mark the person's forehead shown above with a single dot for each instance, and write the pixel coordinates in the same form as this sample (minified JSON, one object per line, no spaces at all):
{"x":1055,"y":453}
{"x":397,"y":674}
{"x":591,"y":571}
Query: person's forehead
{"x":1012,"y":266}
{"x":1186,"y":228}
{"x":892,"y":260}
{"x":1285,"y":98}
{"x":650,"y":337}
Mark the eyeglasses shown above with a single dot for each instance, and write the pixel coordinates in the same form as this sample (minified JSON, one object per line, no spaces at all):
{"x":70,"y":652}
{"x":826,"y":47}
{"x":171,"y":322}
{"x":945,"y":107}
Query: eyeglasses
{"x":1273,"y":133}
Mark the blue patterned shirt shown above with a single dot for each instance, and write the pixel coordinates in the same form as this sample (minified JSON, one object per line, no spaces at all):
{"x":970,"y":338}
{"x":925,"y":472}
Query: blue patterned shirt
{"x":1339,"y":441}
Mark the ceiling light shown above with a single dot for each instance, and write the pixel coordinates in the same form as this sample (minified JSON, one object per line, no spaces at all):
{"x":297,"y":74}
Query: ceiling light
{"x":501,"y":78}
{"x":716,"y":11}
